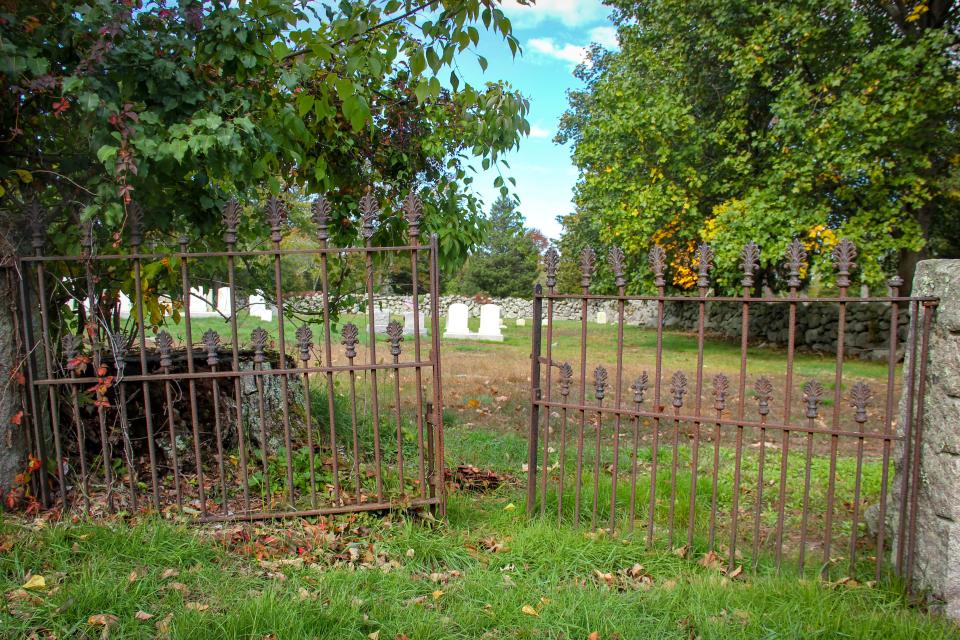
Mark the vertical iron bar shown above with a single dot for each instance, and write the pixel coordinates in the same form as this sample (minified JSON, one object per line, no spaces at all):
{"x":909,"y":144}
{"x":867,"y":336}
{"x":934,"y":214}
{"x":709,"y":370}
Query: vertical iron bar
{"x":894,"y":284}
{"x":834,"y":439}
{"x":787,"y":408}
{"x":583,"y":401}
{"x":597,"y":459}
{"x":174,"y":458}
{"x":928,"y":309}
{"x":616,"y":260}
{"x":328,"y":356}
{"x":127,"y":446}
{"x":655,"y":445}
{"x":81,"y":442}
{"x":230,"y":237}
{"x":548,"y":410}
{"x":350,"y":342}
{"x":698,"y":391}
{"x":374,"y":395}
{"x":440,"y":467}
{"x":145,"y":386}
{"x":534,"y":399}
{"x":909,"y":381}
{"x":418,"y":371}
{"x":741,"y":406}
{"x":191,"y":383}
{"x":805,"y":508}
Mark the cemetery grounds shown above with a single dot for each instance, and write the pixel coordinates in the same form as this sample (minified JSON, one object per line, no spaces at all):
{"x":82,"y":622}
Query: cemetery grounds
{"x":486,"y":571}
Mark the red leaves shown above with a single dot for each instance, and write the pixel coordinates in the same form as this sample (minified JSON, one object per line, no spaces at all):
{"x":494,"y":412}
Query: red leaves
{"x":60,"y":106}
{"x":17,"y":418}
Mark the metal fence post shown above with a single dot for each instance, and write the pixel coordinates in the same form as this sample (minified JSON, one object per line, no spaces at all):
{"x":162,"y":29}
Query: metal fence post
{"x":534,"y":399}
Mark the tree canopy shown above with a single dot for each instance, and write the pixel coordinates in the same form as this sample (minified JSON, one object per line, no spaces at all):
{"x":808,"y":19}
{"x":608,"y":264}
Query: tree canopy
{"x":178,"y":106}
{"x":506,"y":264}
{"x":728,"y":121}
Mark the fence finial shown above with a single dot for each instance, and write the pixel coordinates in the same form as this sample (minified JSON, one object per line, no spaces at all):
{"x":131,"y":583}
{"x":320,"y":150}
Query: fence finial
{"x":615,"y":257}
{"x":276,"y":213}
{"x":550,"y":261}
{"x":135,"y":223}
{"x":37,"y":217}
{"x":812,"y":392}
{"x":764,"y":390}
{"x":413,"y":212}
{"x":704,"y":257}
{"x":566,"y":376}
{"x":211,"y":341}
{"x":843,"y":257}
{"x":599,"y":382}
{"x":231,"y":220}
{"x":658,"y":263}
{"x":86,"y":235}
{"x":720,"y":387}
{"x":348,"y":337}
{"x":165,"y":346}
{"x":894,"y":283}
{"x":369,"y":212}
{"x":588,"y":258}
{"x":321,"y":217}
{"x":749,"y":258}
{"x":395,"y":333}
{"x":304,"y":337}
{"x":259,"y":338}
{"x":678,"y":388}
{"x":860,"y":395}
{"x":796,"y":254}
{"x":639,"y":386}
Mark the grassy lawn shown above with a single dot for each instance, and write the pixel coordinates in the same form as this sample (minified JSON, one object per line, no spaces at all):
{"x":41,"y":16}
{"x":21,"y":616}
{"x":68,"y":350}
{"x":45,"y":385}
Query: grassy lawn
{"x":487,"y":571}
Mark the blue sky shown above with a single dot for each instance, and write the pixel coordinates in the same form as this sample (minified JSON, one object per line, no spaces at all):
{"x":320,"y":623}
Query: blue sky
{"x":554,"y":35}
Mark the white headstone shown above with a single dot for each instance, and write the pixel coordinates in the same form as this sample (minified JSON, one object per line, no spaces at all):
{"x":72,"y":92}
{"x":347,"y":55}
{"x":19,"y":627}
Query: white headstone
{"x":380,"y":320}
{"x":490,"y":323}
{"x":457,"y":327}
{"x":126,"y":306}
{"x":266,"y":315}
{"x":408,"y":324}
{"x":601,"y":317}
{"x":521,"y":322}
{"x":199,"y":304}
{"x":257,"y":305}
{"x":224,"y":298}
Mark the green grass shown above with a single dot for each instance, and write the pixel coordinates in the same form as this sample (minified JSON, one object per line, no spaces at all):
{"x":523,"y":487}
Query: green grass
{"x":389,"y":588}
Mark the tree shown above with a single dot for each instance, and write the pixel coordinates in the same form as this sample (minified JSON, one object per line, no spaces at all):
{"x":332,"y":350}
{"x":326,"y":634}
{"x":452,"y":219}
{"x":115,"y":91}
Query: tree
{"x":728,"y":121}
{"x":506,"y":264}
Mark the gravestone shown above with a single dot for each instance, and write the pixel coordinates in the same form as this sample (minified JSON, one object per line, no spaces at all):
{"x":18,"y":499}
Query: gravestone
{"x":521,"y":322}
{"x":601,"y":317}
{"x":126,"y":306}
{"x":381,"y":319}
{"x":457,"y":327}
{"x":408,"y":324}
{"x":257,"y":305}
{"x":224,"y":298}
{"x":490,"y":323}
{"x":199,"y":303}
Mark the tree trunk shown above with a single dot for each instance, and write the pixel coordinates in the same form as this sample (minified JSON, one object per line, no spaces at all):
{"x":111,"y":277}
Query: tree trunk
{"x":13,"y":440}
{"x":909,"y":259}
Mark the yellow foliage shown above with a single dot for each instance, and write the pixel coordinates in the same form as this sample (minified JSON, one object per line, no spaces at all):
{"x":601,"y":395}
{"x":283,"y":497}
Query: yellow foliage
{"x":918,"y":11}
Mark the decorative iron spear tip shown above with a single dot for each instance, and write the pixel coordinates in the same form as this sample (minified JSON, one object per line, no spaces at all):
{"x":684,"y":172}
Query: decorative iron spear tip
{"x":599,"y":382}
{"x":135,"y":223}
{"x":658,"y":263}
{"x":764,"y":390}
{"x":588,"y":259}
{"x":184,"y":240}
{"x":860,"y":395}
{"x":211,"y":340}
{"x":276,"y":213}
{"x":566,"y":374}
{"x":895,"y":283}
{"x":720,"y":387}
{"x":812,"y":392}
{"x":639,"y":386}
{"x":369,"y":212}
{"x":678,"y":387}
{"x":231,"y":220}
{"x":304,"y":337}
{"x":843,"y":256}
{"x":796,"y":254}
{"x":259,"y":338}
{"x":321,"y":217}
{"x":37,"y":217}
{"x":71,"y":345}
{"x":349,"y":339}
{"x":86,"y":234}
{"x":551,"y":259}
{"x":615,"y":258}
{"x":749,"y":258}
{"x":395,"y":333}
{"x":413,"y":212}
{"x":165,"y":345}
{"x":704,"y":257}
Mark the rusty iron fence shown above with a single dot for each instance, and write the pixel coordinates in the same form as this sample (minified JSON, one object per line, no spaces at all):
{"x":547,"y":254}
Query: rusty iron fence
{"x":224,"y":426}
{"x":646,"y":448}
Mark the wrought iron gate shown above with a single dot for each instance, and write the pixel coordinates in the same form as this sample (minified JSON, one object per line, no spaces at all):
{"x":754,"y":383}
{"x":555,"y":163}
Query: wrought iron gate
{"x":253,"y":421}
{"x":675,"y":437}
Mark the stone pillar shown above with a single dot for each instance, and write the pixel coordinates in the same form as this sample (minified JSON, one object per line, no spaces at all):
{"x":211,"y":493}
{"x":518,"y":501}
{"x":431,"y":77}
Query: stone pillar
{"x":937,"y":554}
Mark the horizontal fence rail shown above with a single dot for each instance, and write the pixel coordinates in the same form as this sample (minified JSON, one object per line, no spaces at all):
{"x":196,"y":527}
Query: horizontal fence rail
{"x":742,"y":466}
{"x":229,"y":414}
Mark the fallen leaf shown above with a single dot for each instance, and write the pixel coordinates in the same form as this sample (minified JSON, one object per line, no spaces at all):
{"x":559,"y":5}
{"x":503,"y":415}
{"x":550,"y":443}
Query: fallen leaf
{"x":411,"y":553}
{"x":102,"y":620}
{"x":36,"y":583}
{"x":143,"y":616}
{"x":530,"y":611}
{"x":178,"y":586}
{"x":169,"y":573}
{"x":681,"y":552}
{"x":510,"y":507}
{"x":163,"y":625}
{"x":133,"y":577}
{"x":197,"y":606}
{"x":374,"y":636}
{"x":594,"y":635}
{"x":710,"y":560}
{"x":437,"y":594}
{"x":736,"y":572}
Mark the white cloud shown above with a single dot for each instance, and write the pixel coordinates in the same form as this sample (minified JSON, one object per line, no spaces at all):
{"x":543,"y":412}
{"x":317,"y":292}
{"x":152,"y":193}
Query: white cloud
{"x":571,"y":13}
{"x":605,"y":37}
{"x":567,"y":51}
{"x":536,"y":131}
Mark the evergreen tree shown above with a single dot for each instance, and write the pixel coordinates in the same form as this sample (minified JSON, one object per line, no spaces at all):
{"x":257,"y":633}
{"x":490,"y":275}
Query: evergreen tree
{"x":507,"y":263}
